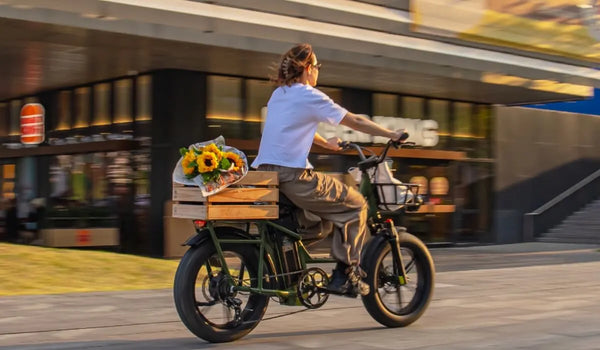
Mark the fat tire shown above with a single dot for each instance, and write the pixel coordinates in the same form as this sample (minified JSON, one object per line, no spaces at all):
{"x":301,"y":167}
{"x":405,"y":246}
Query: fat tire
{"x":184,"y":292}
{"x":373,"y":302}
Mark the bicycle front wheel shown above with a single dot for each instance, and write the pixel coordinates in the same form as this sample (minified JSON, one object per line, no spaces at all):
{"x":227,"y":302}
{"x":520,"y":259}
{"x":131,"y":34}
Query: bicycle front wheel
{"x":392,"y":302}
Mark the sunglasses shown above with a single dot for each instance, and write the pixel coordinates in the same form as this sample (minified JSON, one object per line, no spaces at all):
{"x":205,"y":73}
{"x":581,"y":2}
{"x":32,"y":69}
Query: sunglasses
{"x":317,"y":66}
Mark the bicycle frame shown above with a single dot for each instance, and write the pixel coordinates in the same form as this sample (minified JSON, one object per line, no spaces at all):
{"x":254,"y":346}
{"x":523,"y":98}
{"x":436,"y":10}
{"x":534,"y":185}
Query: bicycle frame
{"x":378,"y":223}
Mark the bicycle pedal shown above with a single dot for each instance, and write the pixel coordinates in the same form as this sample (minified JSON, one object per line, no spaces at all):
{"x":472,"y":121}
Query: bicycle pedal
{"x":235,"y":301}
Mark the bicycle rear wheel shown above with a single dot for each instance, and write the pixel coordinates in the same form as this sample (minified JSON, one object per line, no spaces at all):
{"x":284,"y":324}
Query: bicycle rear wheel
{"x":203,"y":296}
{"x":390,"y":302}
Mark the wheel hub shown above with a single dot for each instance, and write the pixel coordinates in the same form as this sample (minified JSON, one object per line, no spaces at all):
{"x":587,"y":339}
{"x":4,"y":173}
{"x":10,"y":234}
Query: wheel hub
{"x":219,"y":287}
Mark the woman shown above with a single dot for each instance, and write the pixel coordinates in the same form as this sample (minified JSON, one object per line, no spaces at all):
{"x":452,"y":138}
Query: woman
{"x":294,"y":111}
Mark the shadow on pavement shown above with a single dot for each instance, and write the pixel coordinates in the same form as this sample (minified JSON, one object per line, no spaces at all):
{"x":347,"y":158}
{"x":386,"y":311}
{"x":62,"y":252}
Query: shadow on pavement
{"x":188,"y":343}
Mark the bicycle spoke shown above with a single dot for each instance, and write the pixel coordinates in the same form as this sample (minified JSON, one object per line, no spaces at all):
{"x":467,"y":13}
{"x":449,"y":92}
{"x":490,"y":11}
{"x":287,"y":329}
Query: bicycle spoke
{"x":241,"y":276}
{"x":408,"y":267}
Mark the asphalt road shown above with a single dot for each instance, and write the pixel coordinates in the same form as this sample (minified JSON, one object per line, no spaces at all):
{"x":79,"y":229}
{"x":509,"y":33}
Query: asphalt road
{"x":524,"y":296}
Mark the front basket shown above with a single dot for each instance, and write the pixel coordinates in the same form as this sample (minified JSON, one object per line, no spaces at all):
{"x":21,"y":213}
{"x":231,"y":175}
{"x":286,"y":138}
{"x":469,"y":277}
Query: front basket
{"x":394,"y":196}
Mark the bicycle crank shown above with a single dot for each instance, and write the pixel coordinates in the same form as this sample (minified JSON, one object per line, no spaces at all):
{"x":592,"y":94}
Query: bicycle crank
{"x":311,"y":288}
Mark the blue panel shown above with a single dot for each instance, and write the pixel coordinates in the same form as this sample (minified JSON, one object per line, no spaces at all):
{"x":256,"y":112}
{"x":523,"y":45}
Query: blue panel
{"x":589,"y":106}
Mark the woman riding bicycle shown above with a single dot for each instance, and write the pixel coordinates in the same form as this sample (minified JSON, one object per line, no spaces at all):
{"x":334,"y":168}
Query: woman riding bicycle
{"x":293,"y":113}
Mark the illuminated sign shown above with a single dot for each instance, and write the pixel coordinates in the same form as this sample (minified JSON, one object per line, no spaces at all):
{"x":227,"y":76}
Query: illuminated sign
{"x":421,"y":132}
{"x":32,"y":124}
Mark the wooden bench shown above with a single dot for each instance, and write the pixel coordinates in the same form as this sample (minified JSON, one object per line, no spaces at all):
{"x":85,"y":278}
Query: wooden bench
{"x":254,"y":197}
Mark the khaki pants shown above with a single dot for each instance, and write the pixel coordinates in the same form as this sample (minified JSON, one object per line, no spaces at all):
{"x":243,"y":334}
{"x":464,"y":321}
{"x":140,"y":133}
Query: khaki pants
{"x":330,"y":200}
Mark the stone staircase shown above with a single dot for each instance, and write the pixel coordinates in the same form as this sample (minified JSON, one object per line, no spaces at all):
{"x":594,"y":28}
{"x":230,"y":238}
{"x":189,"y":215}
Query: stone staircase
{"x":582,"y":226}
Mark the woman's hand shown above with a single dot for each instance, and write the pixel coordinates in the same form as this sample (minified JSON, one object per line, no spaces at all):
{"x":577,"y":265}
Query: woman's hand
{"x":333,"y":143}
{"x":396,"y":135}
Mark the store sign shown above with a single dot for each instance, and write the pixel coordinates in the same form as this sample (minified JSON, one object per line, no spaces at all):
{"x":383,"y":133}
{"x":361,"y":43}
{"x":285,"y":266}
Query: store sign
{"x":32,"y":124}
{"x":421,"y":132}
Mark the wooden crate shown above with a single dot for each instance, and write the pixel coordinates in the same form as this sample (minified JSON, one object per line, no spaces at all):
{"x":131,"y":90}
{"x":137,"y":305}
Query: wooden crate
{"x":236,"y":202}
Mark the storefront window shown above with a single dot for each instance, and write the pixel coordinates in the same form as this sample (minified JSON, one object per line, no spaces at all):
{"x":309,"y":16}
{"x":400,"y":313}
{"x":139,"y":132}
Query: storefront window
{"x":123,"y":92}
{"x":4,"y":119}
{"x":15,"y":117}
{"x":82,"y":107}
{"x":8,"y":181}
{"x":258,"y":93}
{"x":224,"y":98}
{"x":385,"y":105}
{"x":334,"y":93}
{"x":224,"y":107}
{"x":413,"y":107}
{"x":462,"y":119}
{"x":144,"y":98}
{"x":101,"y":104}
{"x":438,"y":111}
{"x":63,"y":116}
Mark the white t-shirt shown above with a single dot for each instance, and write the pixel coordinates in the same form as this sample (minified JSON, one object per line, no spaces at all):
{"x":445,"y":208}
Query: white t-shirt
{"x":293,"y":114}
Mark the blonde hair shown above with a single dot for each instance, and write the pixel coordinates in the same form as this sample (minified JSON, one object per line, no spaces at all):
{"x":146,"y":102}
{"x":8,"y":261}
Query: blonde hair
{"x":293,"y":63}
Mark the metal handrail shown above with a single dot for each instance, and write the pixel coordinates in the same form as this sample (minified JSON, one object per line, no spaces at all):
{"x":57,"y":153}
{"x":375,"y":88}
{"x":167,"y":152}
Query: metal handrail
{"x":533,"y":224}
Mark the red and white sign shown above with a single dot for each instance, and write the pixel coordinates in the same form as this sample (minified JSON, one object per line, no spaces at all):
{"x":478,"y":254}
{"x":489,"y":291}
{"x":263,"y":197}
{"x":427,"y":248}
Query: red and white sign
{"x":32,"y":124}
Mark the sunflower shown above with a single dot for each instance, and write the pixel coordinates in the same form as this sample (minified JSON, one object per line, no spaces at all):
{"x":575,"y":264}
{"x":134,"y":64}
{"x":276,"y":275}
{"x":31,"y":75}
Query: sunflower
{"x":234,"y":159}
{"x":207,"y":162}
{"x":213,"y":149}
{"x":189,"y":163}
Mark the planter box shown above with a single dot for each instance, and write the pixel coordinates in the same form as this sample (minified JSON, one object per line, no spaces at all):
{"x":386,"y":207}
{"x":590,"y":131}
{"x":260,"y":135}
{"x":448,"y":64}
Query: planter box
{"x":80,"y":237}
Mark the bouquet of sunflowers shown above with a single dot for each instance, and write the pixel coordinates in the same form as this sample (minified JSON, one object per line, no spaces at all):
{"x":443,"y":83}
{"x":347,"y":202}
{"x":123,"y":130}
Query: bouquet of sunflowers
{"x":211,"y":165}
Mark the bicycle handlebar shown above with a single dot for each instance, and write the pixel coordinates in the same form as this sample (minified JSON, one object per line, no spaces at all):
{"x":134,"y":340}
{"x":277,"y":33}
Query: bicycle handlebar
{"x":377,"y":159}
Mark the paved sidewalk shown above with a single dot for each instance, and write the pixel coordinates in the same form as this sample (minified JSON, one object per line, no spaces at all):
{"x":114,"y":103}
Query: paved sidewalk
{"x":543,"y":306}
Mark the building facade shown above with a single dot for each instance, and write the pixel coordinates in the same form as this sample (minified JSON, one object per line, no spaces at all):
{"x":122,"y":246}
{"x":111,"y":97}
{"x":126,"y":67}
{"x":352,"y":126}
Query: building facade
{"x":126,"y":85}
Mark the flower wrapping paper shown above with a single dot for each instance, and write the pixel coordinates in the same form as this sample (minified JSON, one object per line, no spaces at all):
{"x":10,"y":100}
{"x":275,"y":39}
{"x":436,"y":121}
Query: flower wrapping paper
{"x":227,"y":178}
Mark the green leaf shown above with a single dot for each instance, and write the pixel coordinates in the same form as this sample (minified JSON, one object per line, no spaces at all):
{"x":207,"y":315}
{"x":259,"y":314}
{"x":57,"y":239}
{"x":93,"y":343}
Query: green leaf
{"x":183,"y":151}
{"x":225,"y":164}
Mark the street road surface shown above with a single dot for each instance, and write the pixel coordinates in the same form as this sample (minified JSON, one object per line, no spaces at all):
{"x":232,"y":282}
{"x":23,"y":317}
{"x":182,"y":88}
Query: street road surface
{"x":528,"y":296}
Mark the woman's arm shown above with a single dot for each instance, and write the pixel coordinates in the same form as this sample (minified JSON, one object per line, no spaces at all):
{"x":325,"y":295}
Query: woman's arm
{"x":367,"y":126}
{"x":332,"y":143}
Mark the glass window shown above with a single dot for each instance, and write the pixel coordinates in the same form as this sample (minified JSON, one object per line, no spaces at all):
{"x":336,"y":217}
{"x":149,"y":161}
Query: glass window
{"x":462,"y":119}
{"x":8,"y":181}
{"x":224,"y":98}
{"x":63,"y":117}
{"x":15,"y":117}
{"x":385,"y":105}
{"x":438,"y":111}
{"x":413,"y":107}
{"x":482,"y":120}
{"x":143,"y":98}
{"x":8,"y":171}
{"x":101,"y":104}
{"x":123,"y":101}
{"x":4,"y":119}
{"x":82,"y":107}
{"x":258,"y":93}
{"x":334,"y":93}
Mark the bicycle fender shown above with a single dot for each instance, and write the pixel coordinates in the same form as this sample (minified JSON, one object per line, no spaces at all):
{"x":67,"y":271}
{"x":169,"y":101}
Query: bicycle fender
{"x":203,"y":235}
{"x":371,"y":248}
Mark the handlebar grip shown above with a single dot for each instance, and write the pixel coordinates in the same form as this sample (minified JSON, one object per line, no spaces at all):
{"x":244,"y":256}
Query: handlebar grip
{"x":403,"y":137}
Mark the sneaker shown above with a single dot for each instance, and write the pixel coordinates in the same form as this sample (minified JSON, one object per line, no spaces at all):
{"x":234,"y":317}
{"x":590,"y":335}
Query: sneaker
{"x":339,"y":282}
{"x":355,"y":277}
{"x":348,"y":282}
